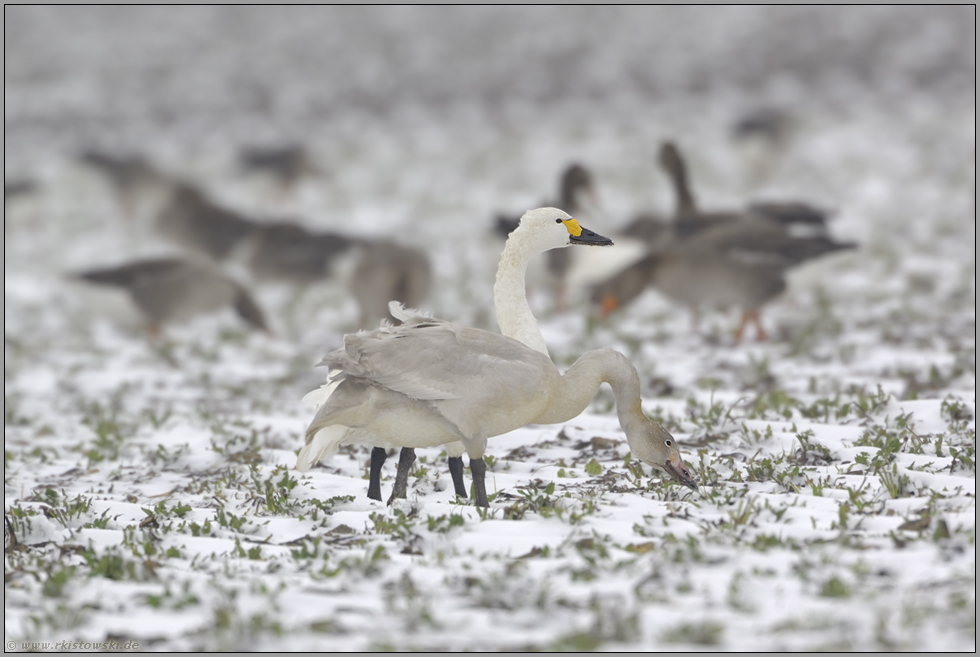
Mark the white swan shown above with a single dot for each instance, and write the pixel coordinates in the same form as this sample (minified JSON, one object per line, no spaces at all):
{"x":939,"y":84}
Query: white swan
{"x":442,"y":383}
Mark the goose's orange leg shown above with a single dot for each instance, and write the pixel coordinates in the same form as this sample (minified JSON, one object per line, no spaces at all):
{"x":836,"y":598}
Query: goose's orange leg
{"x":751,"y":316}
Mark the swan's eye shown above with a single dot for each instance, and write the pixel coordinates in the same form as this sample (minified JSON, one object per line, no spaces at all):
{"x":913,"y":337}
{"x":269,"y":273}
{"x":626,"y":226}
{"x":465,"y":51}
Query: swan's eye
{"x":557,"y":221}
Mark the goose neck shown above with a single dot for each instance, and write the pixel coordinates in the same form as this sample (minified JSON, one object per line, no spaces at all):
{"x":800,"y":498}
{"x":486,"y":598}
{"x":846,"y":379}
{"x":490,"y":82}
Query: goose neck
{"x":686,"y":204}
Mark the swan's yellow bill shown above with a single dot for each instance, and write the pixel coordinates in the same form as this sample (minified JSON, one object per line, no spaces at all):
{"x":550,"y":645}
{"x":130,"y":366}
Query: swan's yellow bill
{"x":573,"y":227}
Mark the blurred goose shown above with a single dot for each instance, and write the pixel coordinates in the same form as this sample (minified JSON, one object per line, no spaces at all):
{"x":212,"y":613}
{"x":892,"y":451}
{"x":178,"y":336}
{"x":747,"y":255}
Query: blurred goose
{"x":761,"y":135}
{"x":794,"y":217}
{"x":173,"y":289}
{"x":385,"y":272}
{"x":746,"y":252}
{"x":382,"y":271}
{"x":450,"y":383}
{"x":131,"y":177}
{"x":287,"y":251}
{"x":184,"y":214}
{"x":741,"y":263}
{"x":653,"y":229}
{"x":286,"y":164}
{"x":195,"y":222}
{"x":539,"y":230}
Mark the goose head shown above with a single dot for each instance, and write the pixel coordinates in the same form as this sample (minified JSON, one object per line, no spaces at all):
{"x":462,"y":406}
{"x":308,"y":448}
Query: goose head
{"x":550,"y":228}
{"x":576,"y":188}
{"x":652,"y":444}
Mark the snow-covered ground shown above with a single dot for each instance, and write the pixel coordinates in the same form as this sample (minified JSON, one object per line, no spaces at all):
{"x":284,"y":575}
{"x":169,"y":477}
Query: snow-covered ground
{"x":149,"y":489}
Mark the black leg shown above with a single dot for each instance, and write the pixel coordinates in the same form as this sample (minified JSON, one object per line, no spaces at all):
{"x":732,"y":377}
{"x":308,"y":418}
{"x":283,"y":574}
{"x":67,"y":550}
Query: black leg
{"x":456,"y":470}
{"x":405,"y":461}
{"x":479,"y":469}
{"x":378,"y":456}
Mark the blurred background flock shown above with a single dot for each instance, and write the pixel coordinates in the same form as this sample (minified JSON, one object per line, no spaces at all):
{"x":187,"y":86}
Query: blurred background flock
{"x":199,"y":203}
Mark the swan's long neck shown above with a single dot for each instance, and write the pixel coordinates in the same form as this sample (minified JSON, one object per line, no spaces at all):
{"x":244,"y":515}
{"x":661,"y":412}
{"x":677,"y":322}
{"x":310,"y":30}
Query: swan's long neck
{"x":582,"y":381}
{"x":509,"y":297}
